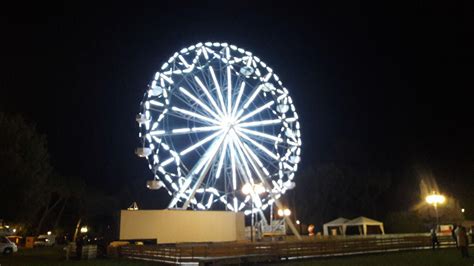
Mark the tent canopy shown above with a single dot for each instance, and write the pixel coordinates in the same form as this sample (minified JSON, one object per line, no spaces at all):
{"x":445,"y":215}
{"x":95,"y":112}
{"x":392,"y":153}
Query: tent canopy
{"x":363,"y":221}
{"x":360,"y":222}
{"x":339,"y":223}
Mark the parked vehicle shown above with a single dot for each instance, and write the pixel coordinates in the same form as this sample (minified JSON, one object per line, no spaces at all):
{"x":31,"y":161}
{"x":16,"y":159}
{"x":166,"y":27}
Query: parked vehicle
{"x":45,"y":241}
{"x":6,"y":246}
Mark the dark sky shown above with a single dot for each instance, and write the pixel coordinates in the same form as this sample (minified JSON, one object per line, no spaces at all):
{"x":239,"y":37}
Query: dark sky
{"x":395,"y":79}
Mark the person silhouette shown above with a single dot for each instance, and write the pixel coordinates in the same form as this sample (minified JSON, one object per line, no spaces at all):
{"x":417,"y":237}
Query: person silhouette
{"x":434,"y":239}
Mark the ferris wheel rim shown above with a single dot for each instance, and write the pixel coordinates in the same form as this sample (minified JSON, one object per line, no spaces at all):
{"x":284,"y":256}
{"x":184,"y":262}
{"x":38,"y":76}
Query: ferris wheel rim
{"x":220,"y":113}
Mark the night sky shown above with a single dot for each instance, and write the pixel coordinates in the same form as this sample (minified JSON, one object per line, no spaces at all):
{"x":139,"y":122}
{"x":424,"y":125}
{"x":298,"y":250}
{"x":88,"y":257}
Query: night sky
{"x":394,"y":79}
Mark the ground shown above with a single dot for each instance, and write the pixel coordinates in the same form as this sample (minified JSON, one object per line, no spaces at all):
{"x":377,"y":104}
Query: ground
{"x":46,"y":256}
{"x":445,"y":257}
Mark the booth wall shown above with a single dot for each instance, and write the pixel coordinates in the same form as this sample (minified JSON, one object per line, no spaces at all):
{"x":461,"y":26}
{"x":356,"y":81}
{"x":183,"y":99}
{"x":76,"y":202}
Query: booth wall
{"x":173,"y":226}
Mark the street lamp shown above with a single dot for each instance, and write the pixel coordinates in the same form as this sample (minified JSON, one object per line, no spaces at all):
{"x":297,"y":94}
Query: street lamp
{"x":84,"y":229}
{"x":435,"y":199}
{"x":299,"y":224}
{"x":284,"y":212}
{"x":252,"y":189}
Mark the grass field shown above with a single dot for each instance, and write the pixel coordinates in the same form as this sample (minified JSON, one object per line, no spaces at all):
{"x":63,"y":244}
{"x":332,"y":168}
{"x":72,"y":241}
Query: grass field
{"x":445,"y":257}
{"x":56,"y":257}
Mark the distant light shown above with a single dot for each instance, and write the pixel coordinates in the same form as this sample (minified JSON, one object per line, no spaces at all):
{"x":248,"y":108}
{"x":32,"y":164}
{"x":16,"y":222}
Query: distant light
{"x":84,"y":229}
{"x":7,"y":226}
{"x":14,"y":229}
{"x":297,"y":221}
{"x":435,"y":199}
{"x":49,"y":233}
{"x":462,"y":210}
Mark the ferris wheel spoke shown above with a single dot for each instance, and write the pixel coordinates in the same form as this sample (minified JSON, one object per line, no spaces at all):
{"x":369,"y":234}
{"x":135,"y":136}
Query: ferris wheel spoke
{"x":233,"y":170}
{"x":256,"y":164}
{"x":229,"y":89}
{"x":266,"y":159}
{"x":188,"y":118}
{"x":260,"y":134}
{"x":199,"y":102}
{"x":244,"y":176}
{"x":258,"y":145}
{"x":208,"y":95}
{"x":221,"y":159}
{"x":186,"y":130}
{"x":243,"y":159}
{"x":261,"y":123}
{"x":256,"y":111}
{"x":167,"y":161}
{"x":200,"y":143}
{"x":254,"y":157}
{"x":188,"y":101}
{"x":239,"y":97}
{"x":218,"y":88}
{"x":252,"y":97}
{"x":193,"y":114}
{"x":196,"y":89}
{"x":246,"y":173}
{"x":279,"y":144}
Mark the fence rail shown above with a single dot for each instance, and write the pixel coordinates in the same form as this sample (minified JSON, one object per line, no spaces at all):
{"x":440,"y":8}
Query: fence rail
{"x":203,"y":253}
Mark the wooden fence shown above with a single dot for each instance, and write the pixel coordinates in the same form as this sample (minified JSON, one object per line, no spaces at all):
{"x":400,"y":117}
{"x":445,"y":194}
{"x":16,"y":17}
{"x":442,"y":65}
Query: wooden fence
{"x":207,"y":253}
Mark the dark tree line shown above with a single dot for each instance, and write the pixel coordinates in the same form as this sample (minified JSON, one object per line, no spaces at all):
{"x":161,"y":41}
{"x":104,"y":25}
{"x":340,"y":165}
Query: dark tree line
{"x":352,"y":181}
{"x":25,"y":170}
{"x":331,"y":190}
{"x":33,"y":194}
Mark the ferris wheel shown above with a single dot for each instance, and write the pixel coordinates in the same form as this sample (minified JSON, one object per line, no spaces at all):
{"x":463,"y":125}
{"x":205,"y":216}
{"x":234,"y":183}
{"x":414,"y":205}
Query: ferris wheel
{"x":214,"y":120}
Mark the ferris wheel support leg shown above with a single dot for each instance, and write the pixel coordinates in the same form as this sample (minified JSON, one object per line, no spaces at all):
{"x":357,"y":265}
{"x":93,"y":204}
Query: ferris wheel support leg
{"x":262,"y":217}
{"x":288,"y":220}
{"x":277,"y":201}
{"x":199,"y":181}
{"x":174,"y":202}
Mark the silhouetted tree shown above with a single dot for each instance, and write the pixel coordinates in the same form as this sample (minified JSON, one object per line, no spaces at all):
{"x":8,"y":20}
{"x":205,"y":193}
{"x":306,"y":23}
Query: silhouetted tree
{"x":24,"y":169}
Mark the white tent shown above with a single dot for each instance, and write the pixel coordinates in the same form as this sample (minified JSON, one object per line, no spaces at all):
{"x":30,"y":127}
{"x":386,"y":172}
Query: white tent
{"x":362,"y":223}
{"x":337,"y":223}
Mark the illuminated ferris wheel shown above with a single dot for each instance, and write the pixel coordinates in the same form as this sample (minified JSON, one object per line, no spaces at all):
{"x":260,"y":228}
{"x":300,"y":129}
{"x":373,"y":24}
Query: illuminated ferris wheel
{"x":214,"y":120}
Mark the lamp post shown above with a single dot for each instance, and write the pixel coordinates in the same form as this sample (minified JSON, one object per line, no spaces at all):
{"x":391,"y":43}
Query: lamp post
{"x":252,"y":190}
{"x":299,"y":224}
{"x":84,"y":229}
{"x":284,"y":213}
{"x":435,"y":199}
